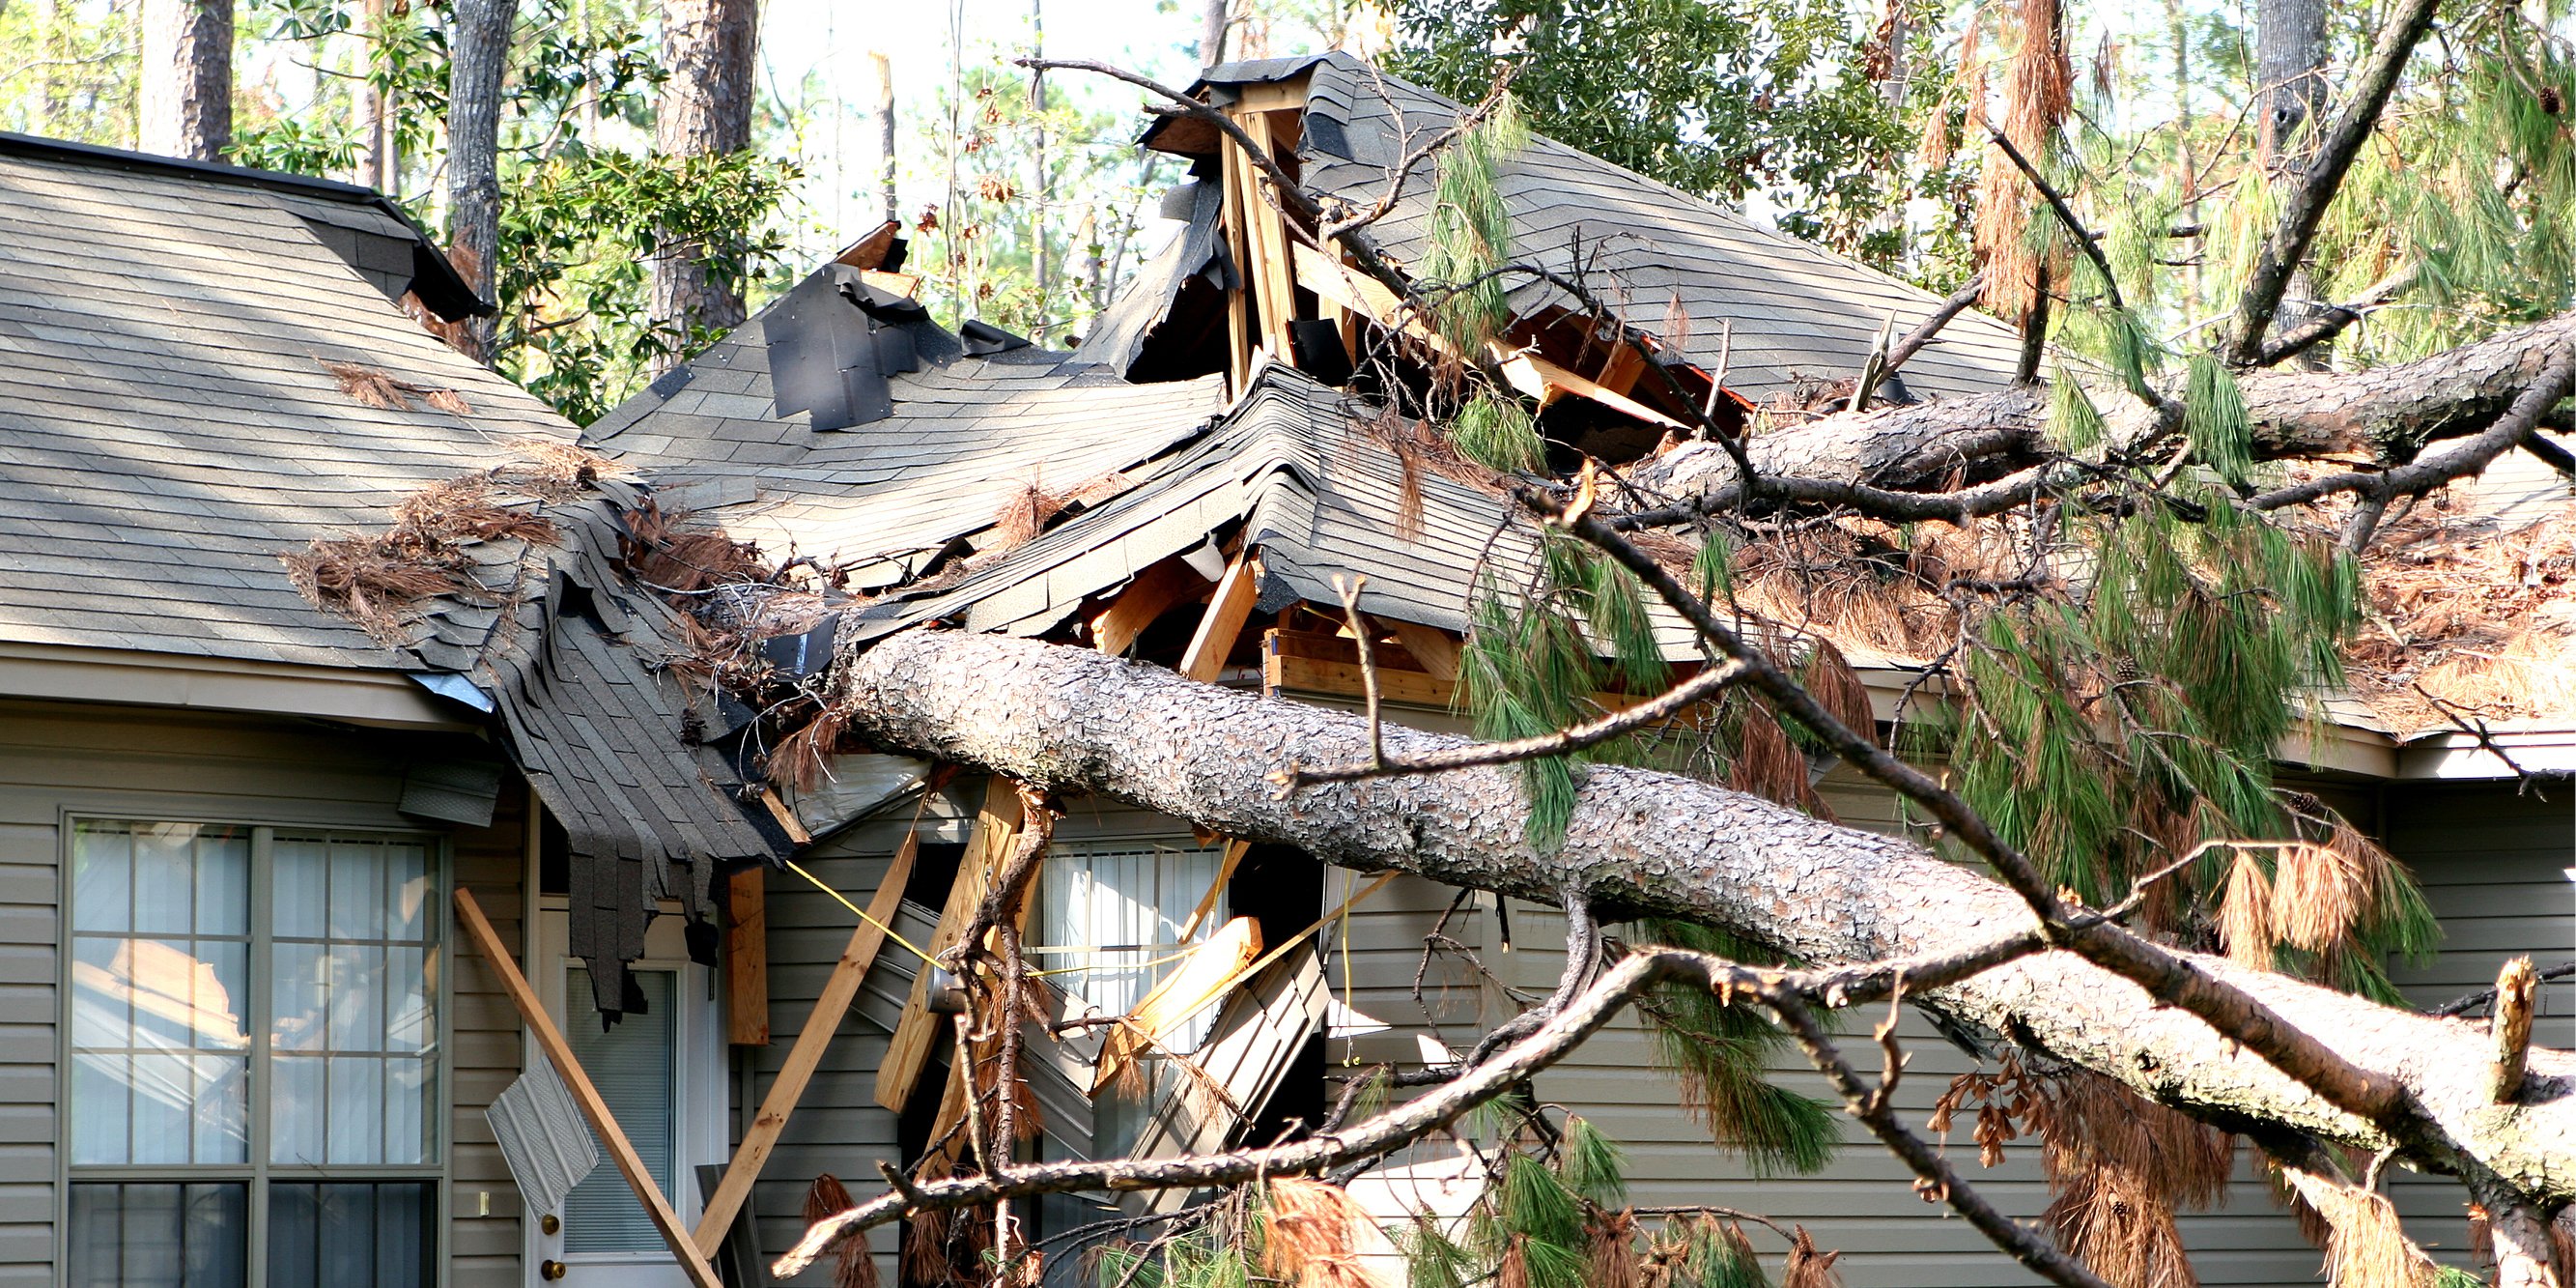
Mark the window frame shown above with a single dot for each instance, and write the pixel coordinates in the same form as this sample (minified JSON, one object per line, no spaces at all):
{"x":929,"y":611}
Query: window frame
{"x":258,"y":1173}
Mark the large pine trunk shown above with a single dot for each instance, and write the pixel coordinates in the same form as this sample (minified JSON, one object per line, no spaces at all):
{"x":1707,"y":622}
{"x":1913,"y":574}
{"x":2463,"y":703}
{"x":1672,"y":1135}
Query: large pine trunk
{"x":704,"y":110}
{"x":1644,"y":842}
{"x":185,"y":96}
{"x":479,"y":50}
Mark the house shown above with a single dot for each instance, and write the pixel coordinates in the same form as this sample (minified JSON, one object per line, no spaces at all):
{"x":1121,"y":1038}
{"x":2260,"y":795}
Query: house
{"x":243,"y":788}
{"x":242,"y":1044}
{"x":1211,"y":528}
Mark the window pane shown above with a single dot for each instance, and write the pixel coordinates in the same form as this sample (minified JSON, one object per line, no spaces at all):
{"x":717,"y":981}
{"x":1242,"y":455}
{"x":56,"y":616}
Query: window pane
{"x":159,"y":1236}
{"x":1131,"y":899}
{"x":160,"y":975}
{"x":357,"y":890}
{"x":299,"y":872}
{"x":350,"y":1235}
{"x":633,"y":1066}
{"x":295,"y":1110}
{"x":353,"y":961}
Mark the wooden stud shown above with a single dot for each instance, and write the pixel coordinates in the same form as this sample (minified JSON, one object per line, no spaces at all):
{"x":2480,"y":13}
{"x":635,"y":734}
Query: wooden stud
{"x":1234,"y":852}
{"x":1226,"y":613}
{"x":550,"y":1040}
{"x":1620,"y":370}
{"x":1270,"y":269}
{"x":1430,"y":646}
{"x":746,"y":963}
{"x":1152,"y":593}
{"x":839,"y":990}
{"x":986,"y":849}
{"x":1529,"y":373}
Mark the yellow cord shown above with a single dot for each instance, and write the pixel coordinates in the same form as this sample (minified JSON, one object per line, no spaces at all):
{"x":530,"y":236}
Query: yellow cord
{"x":890,"y":932}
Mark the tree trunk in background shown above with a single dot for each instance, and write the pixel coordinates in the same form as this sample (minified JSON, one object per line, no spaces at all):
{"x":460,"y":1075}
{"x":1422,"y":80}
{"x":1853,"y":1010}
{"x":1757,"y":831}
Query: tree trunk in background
{"x":2289,"y":72}
{"x":885,"y":131}
{"x":379,"y":158}
{"x":479,"y":52}
{"x":705,"y":110}
{"x":1038,"y":187}
{"x":185,"y":90}
{"x":1642,"y":842}
{"x":1212,"y":34}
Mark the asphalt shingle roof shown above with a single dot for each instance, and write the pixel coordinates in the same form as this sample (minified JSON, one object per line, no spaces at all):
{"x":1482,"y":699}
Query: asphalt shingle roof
{"x":964,"y":440}
{"x":169,"y":422}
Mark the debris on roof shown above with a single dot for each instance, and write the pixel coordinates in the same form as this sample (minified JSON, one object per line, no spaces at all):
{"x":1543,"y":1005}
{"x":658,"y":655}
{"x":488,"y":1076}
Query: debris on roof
{"x":2472,"y":615}
{"x":518,"y":577}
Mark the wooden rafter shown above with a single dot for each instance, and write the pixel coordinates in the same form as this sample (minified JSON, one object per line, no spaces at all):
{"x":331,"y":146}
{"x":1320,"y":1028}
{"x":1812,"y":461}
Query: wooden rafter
{"x":986,"y":850}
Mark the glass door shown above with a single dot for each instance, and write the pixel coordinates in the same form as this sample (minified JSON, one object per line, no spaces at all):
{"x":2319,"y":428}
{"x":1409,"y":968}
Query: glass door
{"x":661,"y":1074}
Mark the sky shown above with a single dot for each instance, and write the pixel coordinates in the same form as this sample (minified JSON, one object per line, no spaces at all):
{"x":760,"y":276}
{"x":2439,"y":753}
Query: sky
{"x":814,"y":56}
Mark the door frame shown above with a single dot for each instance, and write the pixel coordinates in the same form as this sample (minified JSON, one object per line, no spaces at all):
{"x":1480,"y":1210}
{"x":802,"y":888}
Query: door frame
{"x":699,"y":1096}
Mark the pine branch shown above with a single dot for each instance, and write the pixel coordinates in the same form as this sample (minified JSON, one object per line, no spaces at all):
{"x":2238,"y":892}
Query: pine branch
{"x":1584,"y":1015}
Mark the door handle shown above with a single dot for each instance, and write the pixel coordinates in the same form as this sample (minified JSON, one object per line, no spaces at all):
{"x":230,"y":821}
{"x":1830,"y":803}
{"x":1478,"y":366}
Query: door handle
{"x":550,"y":1270}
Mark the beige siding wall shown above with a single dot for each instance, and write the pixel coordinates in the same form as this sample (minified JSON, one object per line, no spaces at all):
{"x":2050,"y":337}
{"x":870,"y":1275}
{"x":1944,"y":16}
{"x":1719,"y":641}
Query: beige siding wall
{"x":837,"y":1127}
{"x":58,"y":758}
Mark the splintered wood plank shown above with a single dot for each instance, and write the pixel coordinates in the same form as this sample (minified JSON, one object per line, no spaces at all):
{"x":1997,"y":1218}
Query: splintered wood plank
{"x":1529,"y":373}
{"x":1238,"y":302}
{"x":915,"y":1033}
{"x":1620,"y":370}
{"x":839,"y":990}
{"x":1272,"y":276}
{"x":1227,"y":610}
{"x":1148,"y":597}
{"x":550,"y":1040}
{"x":747,"y":958}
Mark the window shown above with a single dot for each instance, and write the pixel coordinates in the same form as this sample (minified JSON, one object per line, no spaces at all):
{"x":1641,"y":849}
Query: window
{"x":1110,"y":915}
{"x":254,"y":1049}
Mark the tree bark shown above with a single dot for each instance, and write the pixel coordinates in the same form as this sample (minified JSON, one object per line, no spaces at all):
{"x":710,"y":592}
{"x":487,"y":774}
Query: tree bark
{"x":479,"y":52}
{"x":185,"y":94}
{"x":2289,"y":72}
{"x":379,"y":157}
{"x":885,"y":132}
{"x":1643,"y":842}
{"x":2380,"y":415}
{"x":1212,"y":24}
{"x":705,"y":110}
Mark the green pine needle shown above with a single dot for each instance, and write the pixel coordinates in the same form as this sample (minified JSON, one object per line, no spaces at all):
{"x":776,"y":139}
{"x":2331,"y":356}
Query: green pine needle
{"x":2214,"y":416}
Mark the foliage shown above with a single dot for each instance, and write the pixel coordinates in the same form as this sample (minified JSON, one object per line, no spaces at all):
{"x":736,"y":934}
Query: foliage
{"x":579,"y":237}
{"x":1718,"y":99}
{"x":1722,"y":1051}
{"x":1065,"y":182}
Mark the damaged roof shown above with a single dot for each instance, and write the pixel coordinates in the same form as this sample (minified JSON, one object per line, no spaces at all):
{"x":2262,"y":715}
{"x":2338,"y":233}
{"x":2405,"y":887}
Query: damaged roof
{"x":173,"y":412}
{"x":1319,"y":495}
{"x":964,"y":437}
{"x":1767,"y":307}
{"x":204,"y":370}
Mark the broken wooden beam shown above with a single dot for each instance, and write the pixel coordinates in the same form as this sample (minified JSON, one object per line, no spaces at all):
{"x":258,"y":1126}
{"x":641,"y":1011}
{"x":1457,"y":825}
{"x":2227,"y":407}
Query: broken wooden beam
{"x":1146,"y":598}
{"x":986,"y":850}
{"x":550,"y":1040}
{"x":839,"y":990}
{"x":1227,"y":611}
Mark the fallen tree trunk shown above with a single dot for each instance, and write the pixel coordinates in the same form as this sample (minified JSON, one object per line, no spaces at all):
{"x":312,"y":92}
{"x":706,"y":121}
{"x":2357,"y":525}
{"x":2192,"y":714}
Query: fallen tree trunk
{"x":1644,"y":842}
{"x":2379,"y":415}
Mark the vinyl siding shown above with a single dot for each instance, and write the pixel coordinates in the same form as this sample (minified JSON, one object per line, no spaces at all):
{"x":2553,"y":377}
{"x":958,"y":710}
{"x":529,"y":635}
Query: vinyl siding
{"x":2494,"y":863}
{"x":837,"y":1126}
{"x":58,"y":758}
